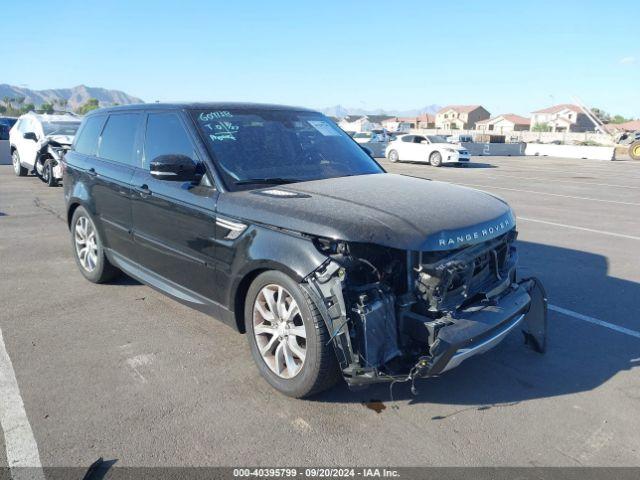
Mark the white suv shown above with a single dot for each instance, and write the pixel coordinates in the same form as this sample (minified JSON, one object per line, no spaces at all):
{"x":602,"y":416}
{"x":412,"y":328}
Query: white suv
{"x":39,"y":141}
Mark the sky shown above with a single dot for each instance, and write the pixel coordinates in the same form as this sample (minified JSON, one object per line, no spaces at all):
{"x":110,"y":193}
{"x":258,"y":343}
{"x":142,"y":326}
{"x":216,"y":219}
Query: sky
{"x":515,"y":56}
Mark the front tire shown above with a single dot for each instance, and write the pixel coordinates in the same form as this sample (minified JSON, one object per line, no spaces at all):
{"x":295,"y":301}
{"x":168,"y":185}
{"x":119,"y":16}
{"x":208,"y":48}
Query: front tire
{"x":18,"y":169}
{"x":288,"y":338}
{"x":47,"y":174}
{"x":393,"y":156}
{"x":634,"y":150}
{"x":88,"y":249}
{"x":435,"y":159}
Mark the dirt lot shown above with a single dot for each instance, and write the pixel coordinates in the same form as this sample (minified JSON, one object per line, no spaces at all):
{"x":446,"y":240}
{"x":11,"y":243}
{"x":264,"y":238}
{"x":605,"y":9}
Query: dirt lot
{"x":122,"y":372}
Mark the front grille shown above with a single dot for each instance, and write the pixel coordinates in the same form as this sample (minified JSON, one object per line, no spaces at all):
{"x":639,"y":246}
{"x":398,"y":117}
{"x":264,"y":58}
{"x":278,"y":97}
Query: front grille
{"x":464,"y":274}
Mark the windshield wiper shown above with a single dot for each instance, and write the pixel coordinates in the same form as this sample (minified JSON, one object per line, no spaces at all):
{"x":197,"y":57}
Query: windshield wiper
{"x":268,"y":181}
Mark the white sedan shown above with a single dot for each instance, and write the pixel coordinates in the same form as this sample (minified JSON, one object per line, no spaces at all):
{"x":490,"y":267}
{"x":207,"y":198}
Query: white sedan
{"x":432,"y":149}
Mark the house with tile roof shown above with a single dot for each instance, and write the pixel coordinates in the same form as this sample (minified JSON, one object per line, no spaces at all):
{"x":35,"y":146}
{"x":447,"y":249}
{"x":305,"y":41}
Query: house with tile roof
{"x":505,"y":123}
{"x":460,"y":117}
{"x":565,"y":117}
{"x":395,"y":124}
{"x":362,"y":123}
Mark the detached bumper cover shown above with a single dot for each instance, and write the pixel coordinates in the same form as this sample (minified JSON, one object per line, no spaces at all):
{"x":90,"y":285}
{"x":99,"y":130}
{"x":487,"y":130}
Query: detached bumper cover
{"x":480,"y":328}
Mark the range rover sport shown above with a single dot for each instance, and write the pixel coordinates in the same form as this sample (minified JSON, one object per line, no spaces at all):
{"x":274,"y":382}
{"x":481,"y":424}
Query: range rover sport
{"x":276,"y":222}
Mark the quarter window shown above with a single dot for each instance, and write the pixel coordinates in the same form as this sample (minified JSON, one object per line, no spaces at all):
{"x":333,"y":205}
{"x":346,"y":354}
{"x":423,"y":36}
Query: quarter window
{"x":407,"y":138}
{"x":166,"y":136}
{"x":118,"y":138}
{"x":87,"y":139}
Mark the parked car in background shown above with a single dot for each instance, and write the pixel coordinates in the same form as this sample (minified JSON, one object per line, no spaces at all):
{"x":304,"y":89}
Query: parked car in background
{"x":460,"y":138}
{"x":273,"y":220}
{"x":373,"y":142}
{"x":432,"y":149}
{"x":8,"y":121}
{"x":38,"y":143}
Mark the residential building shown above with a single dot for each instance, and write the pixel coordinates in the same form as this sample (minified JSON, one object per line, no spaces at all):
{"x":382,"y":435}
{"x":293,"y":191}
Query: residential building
{"x":460,"y":117}
{"x":362,"y":123}
{"x":562,"y":118}
{"x":395,"y":124}
{"x":505,"y":123}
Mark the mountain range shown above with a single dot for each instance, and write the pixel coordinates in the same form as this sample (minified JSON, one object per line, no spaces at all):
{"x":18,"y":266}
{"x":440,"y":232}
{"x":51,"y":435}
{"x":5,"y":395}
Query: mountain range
{"x":340,"y":111}
{"x":75,"y":96}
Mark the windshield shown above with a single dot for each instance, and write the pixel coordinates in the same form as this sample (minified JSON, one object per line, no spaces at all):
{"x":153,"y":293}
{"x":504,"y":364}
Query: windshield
{"x":436,"y":139}
{"x":260,"y":146}
{"x":60,"y":128}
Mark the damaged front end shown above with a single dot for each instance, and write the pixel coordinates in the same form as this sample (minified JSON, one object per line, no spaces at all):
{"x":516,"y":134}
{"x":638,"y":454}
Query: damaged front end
{"x":397,"y":315}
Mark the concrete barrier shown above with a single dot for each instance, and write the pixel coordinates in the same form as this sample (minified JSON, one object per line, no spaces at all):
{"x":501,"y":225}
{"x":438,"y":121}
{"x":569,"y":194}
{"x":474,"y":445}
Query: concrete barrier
{"x":500,"y":149}
{"x":5,"y":157}
{"x":570,"y":151}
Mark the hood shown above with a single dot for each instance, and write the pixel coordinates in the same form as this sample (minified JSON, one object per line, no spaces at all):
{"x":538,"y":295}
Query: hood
{"x":385,"y":209}
{"x":61,"y":139}
{"x":452,"y":146}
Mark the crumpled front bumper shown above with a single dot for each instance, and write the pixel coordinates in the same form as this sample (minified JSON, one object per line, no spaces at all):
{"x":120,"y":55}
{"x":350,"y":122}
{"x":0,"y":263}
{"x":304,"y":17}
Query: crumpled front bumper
{"x":481,"y":327}
{"x":476,"y":330}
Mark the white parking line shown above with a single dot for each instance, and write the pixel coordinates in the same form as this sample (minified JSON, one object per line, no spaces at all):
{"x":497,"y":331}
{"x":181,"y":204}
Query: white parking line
{"x":546,"y":193}
{"x":595,"y":321}
{"x":500,"y":175}
{"x":574,"y":227}
{"x":21,"y":447}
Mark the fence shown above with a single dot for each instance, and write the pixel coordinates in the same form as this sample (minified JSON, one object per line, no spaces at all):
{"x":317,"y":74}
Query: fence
{"x":570,"y":138}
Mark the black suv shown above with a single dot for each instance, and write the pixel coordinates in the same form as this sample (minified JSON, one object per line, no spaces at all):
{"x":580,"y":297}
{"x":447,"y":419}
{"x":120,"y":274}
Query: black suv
{"x":276,"y":222}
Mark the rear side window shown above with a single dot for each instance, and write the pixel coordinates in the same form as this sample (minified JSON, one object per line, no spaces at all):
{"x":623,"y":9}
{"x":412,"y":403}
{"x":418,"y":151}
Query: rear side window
{"x":118,"y":138}
{"x":407,"y":138}
{"x":166,"y":135}
{"x":87,"y":139}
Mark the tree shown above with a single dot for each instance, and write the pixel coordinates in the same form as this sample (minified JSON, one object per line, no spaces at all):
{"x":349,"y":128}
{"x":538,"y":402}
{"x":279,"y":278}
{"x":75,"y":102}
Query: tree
{"x":619,"y":119}
{"x":46,"y":108}
{"x":541,"y":127}
{"x":90,"y":104}
{"x":27,"y":107}
{"x":601,"y":115}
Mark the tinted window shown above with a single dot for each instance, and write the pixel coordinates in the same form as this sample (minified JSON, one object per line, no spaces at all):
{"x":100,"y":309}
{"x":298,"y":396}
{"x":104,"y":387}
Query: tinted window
{"x":118,"y":138}
{"x":4,"y":132}
{"x":87,"y":141}
{"x":166,"y":135}
{"x":262,"y":146}
{"x":407,"y":138}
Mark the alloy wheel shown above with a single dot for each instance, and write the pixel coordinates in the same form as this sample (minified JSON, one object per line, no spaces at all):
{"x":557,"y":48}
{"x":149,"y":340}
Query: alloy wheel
{"x":279,"y":331}
{"x":16,"y":162}
{"x":86,"y":243}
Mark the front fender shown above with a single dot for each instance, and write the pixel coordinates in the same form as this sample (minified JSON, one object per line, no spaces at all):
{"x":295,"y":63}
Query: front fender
{"x":262,"y":248}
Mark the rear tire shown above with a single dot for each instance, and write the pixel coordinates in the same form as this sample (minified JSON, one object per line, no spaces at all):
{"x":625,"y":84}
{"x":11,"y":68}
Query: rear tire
{"x":435,"y":159}
{"x":309,"y":366}
{"x":88,"y":249}
{"x":634,"y":150}
{"x":393,"y":156}
{"x":18,"y":169}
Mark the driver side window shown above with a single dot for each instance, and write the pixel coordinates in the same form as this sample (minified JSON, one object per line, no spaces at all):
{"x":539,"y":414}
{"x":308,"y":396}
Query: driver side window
{"x":166,"y":136}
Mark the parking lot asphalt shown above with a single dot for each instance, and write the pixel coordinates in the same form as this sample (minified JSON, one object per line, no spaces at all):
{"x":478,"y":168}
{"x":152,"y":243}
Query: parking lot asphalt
{"x":121,"y":372}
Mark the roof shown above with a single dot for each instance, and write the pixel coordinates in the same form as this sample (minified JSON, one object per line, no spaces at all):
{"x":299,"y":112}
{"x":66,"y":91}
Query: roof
{"x":631,"y":126}
{"x":511,"y":117}
{"x":200,"y":106}
{"x":352,"y":118}
{"x":378,"y":118}
{"x":559,"y":108}
{"x":460,"y":108}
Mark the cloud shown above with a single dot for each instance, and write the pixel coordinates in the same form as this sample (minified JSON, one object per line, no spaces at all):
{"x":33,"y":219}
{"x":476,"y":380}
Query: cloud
{"x":628,"y":60}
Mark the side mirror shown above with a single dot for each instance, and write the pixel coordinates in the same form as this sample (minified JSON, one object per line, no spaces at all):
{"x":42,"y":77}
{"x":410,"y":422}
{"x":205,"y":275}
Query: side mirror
{"x":30,"y":136}
{"x":176,"y":168}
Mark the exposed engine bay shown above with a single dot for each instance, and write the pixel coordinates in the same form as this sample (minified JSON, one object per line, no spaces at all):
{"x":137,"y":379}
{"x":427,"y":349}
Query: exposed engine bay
{"x":398,"y":315}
